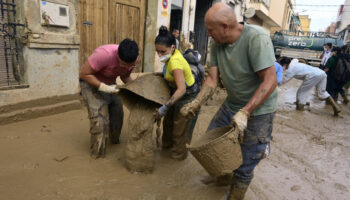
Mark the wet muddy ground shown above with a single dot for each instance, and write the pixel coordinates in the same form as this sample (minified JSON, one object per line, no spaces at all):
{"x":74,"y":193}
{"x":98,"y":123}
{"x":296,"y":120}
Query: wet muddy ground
{"x":48,"y":158}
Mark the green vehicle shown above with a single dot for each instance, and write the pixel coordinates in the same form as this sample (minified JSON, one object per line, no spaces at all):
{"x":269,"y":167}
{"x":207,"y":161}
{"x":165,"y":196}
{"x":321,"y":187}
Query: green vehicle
{"x":306,"y":46}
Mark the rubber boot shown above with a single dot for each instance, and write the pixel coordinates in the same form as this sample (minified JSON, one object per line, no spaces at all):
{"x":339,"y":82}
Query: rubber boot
{"x":345,"y":99}
{"x":237,"y":190}
{"x":300,"y":107}
{"x":335,"y":106}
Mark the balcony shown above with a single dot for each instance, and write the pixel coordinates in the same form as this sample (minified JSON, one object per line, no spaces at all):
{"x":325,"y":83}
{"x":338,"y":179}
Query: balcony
{"x":265,"y":2}
{"x":262,"y":10}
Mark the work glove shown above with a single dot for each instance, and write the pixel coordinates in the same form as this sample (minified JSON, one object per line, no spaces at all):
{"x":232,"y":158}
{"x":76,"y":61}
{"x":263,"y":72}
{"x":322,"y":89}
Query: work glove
{"x":111,"y":89}
{"x":239,"y":121}
{"x":161,"y":112}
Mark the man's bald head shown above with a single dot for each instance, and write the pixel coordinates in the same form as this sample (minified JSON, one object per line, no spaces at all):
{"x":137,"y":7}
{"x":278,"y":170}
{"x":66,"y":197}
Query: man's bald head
{"x":222,"y":25}
{"x":221,"y":13}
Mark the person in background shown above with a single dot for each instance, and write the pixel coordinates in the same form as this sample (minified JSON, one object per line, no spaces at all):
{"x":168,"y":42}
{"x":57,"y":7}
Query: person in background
{"x":326,"y":54}
{"x":98,"y":86}
{"x":184,"y":86}
{"x":176,"y":34}
{"x":311,"y":76}
{"x":334,"y":87}
{"x":279,"y":73}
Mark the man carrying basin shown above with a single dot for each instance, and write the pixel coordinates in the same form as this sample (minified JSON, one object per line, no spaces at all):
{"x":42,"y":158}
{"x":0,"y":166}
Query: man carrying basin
{"x":243,"y":56}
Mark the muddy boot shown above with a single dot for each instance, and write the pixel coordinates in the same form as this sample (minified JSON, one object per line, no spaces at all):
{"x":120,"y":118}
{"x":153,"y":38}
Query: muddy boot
{"x":335,"y":106}
{"x":224,"y":180}
{"x":98,"y":145}
{"x":300,"y":107}
{"x":345,"y":99}
{"x":237,"y":190}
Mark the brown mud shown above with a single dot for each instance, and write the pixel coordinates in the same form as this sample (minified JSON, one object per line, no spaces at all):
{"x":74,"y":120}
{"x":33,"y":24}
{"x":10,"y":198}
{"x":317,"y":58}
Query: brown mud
{"x":48,"y":158}
{"x":139,"y":149}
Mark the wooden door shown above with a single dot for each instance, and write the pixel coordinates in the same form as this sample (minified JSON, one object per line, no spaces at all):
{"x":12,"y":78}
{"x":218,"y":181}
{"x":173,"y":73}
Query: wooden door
{"x":109,"y":22}
{"x":127,"y":18}
{"x":201,"y":33}
{"x":93,"y":26}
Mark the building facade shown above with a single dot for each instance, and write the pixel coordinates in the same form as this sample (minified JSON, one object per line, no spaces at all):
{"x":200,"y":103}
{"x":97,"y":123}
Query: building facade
{"x":305,"y":22}
{"x":343,"y":22}
{"x":39,"y":53}
{"x":269,"y":14}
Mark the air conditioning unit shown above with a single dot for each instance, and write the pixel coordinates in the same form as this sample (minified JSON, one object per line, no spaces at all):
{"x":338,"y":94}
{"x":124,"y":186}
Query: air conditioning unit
{"x":54,"y":14}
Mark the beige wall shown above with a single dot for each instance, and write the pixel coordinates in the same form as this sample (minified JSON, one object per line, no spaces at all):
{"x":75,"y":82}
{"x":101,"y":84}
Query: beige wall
{"x":305,"y":22}
{"x":273,"y":16}
{"x":277,"y":9}
{"x":50,"y":56}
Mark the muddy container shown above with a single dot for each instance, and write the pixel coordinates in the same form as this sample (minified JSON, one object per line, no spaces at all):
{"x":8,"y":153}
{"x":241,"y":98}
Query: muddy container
{"x":218,"y":151}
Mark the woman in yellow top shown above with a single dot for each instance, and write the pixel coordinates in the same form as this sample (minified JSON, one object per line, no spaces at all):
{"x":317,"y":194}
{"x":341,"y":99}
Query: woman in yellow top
{"x":177,"y":130}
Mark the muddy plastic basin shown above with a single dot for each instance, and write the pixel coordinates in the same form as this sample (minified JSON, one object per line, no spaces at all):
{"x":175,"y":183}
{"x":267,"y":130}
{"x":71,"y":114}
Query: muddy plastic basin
{"x":150,"y":87}
{"x":218,"y":151}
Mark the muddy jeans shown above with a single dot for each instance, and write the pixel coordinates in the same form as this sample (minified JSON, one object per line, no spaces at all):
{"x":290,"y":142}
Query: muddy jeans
{"x":106,"y":117}
{"x":256,"y":140}
{"x":177,"y":130}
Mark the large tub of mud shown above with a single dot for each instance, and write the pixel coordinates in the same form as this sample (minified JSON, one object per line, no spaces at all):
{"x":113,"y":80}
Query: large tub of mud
{"x":218,"y":151}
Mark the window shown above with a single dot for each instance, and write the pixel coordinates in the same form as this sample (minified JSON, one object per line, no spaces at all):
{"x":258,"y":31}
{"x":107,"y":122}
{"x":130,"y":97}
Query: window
{"x":10,"y":72}
{"x":63,"y":11}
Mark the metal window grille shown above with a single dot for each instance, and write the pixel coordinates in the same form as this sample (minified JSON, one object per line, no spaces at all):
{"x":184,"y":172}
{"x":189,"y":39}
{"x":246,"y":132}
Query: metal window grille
{"x":10,"y":74}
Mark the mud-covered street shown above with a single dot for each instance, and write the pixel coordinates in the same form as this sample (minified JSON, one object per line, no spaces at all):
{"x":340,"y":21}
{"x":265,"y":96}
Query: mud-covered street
{"x":48,"y":158}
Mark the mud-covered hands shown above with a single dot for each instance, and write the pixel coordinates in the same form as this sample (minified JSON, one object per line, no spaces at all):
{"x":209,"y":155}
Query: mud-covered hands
{"x":161,"y":112}
{"x":240,"y":121}
{"x":111,"y":89}
{"x":190,"y":109}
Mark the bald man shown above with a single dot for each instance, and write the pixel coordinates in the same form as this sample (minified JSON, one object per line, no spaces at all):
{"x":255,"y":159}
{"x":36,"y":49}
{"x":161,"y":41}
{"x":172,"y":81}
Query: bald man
{"x":243,"y":56}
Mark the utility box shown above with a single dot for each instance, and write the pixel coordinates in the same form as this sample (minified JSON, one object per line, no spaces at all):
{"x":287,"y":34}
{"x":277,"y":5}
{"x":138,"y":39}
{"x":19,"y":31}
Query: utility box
{"x":54,"y":14}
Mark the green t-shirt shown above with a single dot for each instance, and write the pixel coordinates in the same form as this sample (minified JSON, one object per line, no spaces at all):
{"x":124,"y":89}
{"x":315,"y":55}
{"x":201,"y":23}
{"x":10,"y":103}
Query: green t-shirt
{"x":331,"y":62}
{"x":238,"y":64}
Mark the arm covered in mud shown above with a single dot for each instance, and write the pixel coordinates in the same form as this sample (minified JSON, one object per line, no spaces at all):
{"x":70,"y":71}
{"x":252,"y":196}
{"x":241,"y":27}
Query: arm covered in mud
{"x":180,"y":87}
{"x":180,"y":91}
{"x":207,"y":90}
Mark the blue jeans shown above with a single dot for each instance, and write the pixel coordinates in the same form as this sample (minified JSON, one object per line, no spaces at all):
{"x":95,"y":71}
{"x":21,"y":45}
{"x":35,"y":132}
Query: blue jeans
{"x":256,"y":140}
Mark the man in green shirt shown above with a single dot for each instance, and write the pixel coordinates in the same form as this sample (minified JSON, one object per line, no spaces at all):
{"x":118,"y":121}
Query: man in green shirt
{"x":335,"y":86}
{"x":243,"y":56}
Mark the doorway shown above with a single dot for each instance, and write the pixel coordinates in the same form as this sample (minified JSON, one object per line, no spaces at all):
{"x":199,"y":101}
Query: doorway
{"x":200,"y":32}
{"x":109,"y":22}
{"x":176,"y":15}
